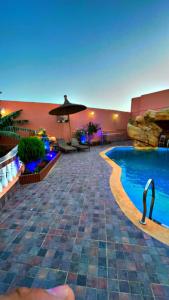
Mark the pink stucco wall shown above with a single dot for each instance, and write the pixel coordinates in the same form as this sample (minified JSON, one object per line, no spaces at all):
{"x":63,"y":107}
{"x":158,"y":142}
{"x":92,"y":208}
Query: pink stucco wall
{"x":155,"y":101}
{"x":37,"y":114}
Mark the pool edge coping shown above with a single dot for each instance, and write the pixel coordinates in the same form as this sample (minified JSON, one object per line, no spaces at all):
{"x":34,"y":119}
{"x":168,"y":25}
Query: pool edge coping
{"x":126,"y":205}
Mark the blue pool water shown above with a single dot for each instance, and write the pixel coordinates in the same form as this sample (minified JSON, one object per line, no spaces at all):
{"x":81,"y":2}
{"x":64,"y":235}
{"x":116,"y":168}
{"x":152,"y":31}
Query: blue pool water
{"x":137,"y":167}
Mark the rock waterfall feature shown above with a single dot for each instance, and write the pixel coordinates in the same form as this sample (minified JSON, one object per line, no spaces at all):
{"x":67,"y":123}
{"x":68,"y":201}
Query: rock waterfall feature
{"x":145,"y":130}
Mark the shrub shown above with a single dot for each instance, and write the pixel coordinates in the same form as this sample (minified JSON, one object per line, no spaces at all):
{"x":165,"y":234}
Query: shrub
{"x":92,"y":128}
{"x":30,"y":149}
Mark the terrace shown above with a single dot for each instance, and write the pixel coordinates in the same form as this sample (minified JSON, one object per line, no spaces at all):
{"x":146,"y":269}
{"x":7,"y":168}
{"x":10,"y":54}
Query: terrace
{"x":68,"y":228}
{"x":84,"y":168}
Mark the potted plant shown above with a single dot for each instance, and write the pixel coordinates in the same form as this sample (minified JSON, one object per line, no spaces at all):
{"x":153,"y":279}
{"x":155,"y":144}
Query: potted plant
{"x":91,"y":128}
{"x":80,"y":134}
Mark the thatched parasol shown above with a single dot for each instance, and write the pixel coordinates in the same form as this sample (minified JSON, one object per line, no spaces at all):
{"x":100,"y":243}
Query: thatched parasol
{"x":67,"y":108}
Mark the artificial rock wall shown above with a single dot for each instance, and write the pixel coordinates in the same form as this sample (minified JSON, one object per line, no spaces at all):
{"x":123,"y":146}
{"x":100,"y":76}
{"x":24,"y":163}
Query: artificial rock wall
{"x":144,"y":131}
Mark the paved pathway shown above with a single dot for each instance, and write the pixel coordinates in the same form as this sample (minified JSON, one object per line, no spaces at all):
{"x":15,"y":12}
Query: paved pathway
{"x":68,"y":228}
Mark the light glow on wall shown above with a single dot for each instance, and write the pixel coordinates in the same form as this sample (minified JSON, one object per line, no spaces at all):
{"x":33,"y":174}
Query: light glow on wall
{"x":5,"y":111}
{"x":2,"y":112}
{"x":115,"y":116}
{"x":92,"y":113}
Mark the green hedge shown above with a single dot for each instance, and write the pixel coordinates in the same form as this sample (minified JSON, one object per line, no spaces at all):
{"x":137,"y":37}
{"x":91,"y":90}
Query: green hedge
{"x":30,"y":149}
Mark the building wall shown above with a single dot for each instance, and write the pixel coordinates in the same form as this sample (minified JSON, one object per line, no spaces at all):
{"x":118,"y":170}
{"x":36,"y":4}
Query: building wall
{"x":155,"y":101}
{"x":37,"y":114}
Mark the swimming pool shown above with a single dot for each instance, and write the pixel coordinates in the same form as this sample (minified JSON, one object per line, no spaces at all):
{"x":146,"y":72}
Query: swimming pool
{"x":137,"y":167}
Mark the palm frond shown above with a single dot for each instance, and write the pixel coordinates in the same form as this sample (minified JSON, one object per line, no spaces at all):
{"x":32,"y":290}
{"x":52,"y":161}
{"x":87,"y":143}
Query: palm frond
{"x":19,"y":122}
{"x":8,"y":128}
{"x":15,"y":114}
{"x":15,"y":129}
{"x":7,"y":120}
{"x":10,"y":134}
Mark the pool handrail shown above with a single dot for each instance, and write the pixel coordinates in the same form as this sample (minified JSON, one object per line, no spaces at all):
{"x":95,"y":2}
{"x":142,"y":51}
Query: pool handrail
{"x":149,"y":182}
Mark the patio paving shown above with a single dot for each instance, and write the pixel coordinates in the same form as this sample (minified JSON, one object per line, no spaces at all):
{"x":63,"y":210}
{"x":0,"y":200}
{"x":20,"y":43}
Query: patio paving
{"x":69,"y":229}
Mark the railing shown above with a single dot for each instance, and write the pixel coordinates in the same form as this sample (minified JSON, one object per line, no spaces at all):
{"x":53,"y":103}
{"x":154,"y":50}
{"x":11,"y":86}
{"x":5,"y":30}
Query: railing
{"x":9,"y":169}
{"x":149,"y":182}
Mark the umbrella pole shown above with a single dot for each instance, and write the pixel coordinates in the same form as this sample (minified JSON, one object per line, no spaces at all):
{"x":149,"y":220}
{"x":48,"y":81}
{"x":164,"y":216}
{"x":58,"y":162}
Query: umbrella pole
{"x":69,"y":128}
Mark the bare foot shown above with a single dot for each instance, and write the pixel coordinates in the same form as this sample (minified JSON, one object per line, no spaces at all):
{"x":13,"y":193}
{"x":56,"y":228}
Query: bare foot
{"x":63,"y":292}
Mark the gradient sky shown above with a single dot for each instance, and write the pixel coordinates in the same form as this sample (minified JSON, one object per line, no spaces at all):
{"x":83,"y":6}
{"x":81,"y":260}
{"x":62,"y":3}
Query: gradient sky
{"x":100,"y":53}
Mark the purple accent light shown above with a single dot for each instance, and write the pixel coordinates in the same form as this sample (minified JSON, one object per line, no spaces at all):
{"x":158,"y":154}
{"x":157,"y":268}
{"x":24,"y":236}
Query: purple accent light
{"x":99,"y":132}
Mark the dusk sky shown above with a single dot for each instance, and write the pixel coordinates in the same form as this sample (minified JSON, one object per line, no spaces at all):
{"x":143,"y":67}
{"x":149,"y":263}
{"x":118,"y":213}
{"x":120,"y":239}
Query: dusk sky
{"x":100,"y":53}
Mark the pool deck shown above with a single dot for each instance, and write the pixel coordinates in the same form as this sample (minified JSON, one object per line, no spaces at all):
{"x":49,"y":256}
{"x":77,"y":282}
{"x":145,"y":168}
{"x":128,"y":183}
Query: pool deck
{"x":69,"y":229}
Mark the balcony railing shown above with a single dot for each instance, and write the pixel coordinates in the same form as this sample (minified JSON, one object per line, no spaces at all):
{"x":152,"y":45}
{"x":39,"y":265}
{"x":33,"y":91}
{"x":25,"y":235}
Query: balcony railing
{"x":9,"y":170}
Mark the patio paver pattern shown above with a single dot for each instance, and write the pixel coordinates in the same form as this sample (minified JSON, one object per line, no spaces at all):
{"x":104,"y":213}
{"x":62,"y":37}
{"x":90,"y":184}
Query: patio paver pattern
{"x":69,"y":229}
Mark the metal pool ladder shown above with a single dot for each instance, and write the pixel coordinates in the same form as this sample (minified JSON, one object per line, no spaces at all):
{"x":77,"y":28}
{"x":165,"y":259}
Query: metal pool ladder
{"x":149,"y":182}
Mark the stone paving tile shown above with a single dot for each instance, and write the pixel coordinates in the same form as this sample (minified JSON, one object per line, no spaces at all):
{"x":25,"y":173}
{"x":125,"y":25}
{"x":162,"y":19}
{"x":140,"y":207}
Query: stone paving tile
{"x":3,"y":287}
{"x":69,"y":229}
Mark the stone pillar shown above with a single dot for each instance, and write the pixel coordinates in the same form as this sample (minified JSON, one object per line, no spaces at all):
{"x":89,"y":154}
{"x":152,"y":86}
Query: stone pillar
{"x":9,"y":172}
{"x":14,"y":169}
{"x":4,"y":180}
{"x":1,"y":187}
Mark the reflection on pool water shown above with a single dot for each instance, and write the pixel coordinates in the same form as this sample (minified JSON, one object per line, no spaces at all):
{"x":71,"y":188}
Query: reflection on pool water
{"x":137,"y":167}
